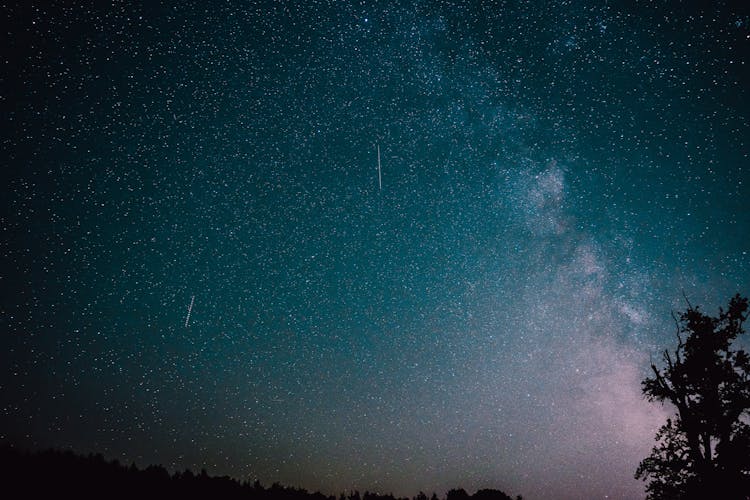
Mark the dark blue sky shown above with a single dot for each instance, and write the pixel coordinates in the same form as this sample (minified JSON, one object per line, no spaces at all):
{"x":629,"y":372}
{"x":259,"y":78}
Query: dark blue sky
{"x":554,"y":176}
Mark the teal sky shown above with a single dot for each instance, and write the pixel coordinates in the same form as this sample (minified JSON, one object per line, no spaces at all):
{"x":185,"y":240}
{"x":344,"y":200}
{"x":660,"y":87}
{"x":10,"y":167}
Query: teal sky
{"x":554,"y":176}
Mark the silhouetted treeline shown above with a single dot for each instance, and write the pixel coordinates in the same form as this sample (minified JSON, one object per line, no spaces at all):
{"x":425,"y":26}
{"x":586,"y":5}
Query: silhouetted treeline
{"x":64,"y":474}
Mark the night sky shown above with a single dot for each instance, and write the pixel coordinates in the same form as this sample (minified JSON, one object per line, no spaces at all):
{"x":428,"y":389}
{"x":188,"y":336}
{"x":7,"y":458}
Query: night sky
{"x":200,"y":266}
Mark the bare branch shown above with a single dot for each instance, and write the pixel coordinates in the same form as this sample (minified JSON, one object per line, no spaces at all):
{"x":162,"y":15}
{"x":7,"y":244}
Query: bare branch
{"x":690,"y":306}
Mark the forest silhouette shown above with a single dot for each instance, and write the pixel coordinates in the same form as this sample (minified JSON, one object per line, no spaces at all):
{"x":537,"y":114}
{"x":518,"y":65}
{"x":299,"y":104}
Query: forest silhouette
{"x":65,"y":474}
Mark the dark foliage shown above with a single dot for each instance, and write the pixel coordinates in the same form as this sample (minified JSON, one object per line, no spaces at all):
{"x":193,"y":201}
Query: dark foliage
{"x":64,"y":474}
{"x":490,"y":495}
{"x":705,"y":448}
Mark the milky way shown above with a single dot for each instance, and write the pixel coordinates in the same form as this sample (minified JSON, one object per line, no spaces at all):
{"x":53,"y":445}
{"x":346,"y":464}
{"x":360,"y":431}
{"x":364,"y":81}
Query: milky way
{"x":393,"y":246}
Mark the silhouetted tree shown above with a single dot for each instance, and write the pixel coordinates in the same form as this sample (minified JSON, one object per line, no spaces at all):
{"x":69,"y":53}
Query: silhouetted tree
{"x":457,"y":494}
{"x":705,"y":448}
{"x":490,"y":494}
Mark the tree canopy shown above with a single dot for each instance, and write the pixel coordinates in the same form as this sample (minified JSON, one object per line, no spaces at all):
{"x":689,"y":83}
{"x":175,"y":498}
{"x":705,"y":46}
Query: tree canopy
{"x":704,"y":448}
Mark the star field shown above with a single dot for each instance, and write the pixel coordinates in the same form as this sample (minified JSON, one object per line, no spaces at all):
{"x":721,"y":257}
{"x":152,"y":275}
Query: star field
{"x":554,"y":176}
